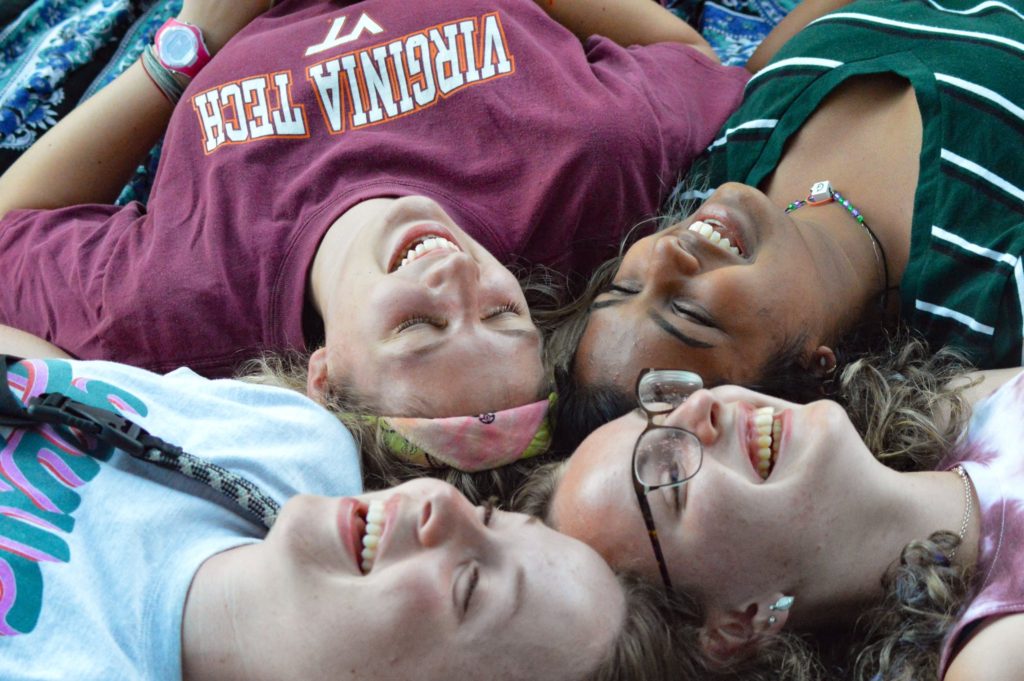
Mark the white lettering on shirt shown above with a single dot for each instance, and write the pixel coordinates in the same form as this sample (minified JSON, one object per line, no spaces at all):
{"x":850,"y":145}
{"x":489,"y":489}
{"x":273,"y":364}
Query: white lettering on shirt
{"x":392,"y":79}
{"x":249,"y":109}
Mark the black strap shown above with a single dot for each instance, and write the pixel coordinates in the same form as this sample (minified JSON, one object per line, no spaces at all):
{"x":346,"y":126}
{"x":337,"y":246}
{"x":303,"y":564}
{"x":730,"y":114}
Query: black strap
{"x":113,"y":429}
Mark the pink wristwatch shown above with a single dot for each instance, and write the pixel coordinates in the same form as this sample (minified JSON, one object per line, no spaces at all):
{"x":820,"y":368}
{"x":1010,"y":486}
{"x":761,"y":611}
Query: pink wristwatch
{"x":180,"y":48}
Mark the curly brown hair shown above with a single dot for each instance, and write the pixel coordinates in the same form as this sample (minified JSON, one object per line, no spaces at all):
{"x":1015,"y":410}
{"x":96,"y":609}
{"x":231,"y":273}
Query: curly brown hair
{"x":908,"y":406}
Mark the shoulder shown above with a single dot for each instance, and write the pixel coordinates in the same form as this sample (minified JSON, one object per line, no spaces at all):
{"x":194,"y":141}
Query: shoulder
{"x":993,"y":653}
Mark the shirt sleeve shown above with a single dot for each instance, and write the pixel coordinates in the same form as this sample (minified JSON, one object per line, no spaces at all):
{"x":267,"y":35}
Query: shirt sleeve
{"x":55,"y":264}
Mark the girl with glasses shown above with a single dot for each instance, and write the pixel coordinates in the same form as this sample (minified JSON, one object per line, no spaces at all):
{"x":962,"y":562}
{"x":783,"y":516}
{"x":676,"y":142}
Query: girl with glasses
{"x":893,"y":528}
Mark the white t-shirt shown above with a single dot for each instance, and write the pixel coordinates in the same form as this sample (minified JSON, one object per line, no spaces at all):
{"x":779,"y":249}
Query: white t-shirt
{"x":97,"y":550}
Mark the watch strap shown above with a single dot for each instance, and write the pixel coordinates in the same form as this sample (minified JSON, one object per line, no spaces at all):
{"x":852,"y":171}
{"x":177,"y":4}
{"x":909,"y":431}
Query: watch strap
{"x":202,"y":56}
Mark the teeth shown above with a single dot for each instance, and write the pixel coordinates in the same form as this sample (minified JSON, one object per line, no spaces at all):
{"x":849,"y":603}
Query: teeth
{"x":374,"y":530}
{"x":432,"y":243}
{"x":768,"y":430}
{"x":708,"y":230}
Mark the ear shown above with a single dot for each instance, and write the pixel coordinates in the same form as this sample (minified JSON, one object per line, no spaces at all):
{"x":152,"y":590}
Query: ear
{"x":823,"y":361}
{"x":316,"y":377}
{"x":735,"y":633}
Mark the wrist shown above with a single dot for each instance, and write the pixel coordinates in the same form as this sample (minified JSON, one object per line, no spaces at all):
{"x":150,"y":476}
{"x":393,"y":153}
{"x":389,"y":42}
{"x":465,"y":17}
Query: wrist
{"x":181,"y":48}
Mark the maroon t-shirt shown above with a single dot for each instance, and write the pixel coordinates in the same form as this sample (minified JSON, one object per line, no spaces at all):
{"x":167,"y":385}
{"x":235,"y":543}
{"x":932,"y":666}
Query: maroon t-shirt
{"x":542,"y":149}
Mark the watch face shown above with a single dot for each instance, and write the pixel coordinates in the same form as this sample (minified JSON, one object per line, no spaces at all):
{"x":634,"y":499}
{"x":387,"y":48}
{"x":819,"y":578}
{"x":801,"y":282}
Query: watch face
{"x":178,"y":47}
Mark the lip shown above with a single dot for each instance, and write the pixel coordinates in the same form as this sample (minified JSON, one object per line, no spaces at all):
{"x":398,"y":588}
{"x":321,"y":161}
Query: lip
{"x":732,"y":224}
{"x":351,"y":528}
{"x":414,"y":233}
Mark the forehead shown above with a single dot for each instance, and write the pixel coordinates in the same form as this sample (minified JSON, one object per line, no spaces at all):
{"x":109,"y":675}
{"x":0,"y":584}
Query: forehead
{"x":621,"y":340}
{"x":595,"y":500}
{"x":570,"y":612}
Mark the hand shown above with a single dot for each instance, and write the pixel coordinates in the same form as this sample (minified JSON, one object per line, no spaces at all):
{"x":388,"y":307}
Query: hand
{"x":219,"y":20}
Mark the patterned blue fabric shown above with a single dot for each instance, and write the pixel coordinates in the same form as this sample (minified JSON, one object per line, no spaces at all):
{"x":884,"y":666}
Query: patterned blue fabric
{"x":733,"y":27}
{"x":44,"y":46}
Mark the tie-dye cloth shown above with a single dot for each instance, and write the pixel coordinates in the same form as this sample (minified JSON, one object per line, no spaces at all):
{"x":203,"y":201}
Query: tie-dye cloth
{"x":992,"y":456}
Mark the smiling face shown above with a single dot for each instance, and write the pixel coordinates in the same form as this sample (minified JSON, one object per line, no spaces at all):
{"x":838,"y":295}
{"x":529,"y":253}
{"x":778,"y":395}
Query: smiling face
{"x":423,"y":320}
{"x":720,"y":293}
{"x":454,"y":592}
{"x":729,"y":534}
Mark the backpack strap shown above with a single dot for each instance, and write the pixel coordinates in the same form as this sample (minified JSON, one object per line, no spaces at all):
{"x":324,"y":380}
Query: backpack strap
{"x":115,"y":430}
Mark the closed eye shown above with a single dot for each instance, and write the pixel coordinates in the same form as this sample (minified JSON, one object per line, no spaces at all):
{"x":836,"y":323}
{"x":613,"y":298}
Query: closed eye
{"x":622,"y":289}
{"x":411,"y":322}
{"x":510,"y":308}
{"x":693,"y":313}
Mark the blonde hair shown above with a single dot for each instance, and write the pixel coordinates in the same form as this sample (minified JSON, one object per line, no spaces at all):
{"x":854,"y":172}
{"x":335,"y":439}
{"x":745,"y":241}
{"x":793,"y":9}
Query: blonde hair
{"x":381,"y":468}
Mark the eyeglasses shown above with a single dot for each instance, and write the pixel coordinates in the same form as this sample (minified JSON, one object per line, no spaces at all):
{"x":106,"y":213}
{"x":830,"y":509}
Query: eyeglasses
{"x":664,"y":456}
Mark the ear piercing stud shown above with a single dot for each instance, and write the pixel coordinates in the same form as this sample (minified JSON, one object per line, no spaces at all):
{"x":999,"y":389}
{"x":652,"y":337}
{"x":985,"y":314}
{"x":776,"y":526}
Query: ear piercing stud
{"x":783,"y":604}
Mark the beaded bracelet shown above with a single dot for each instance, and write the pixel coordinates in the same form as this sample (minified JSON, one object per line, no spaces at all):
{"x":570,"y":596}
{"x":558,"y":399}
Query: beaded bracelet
{"x":161,"y":76}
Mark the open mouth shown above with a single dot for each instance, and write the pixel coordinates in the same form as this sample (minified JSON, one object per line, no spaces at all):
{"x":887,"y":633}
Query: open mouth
{"x":767,"y":429}
{"x":372,"y":531}
{"x":719,"y":234}
{"x":420,"y":245}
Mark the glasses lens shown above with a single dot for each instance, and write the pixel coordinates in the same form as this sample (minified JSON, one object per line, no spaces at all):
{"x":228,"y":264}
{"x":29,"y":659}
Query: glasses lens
{"x":667,"y":455}
{"x":662,"y":390}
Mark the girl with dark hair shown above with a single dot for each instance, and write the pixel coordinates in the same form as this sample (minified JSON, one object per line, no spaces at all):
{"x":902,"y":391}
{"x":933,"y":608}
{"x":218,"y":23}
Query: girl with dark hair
{"x":869,"y":178}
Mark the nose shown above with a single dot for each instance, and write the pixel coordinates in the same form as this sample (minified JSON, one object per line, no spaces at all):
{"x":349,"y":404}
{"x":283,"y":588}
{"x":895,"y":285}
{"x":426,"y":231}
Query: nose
{"x":670,"y":262}
{"x":699,"y":414}
{"x":457,"y":275}
{"x":446,"y":516}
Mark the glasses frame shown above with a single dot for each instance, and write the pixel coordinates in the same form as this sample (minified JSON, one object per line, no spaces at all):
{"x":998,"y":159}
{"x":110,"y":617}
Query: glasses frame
{"x":642,"y":490}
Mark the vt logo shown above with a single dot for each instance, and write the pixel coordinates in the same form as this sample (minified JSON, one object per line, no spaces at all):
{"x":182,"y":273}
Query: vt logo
{"x":335,"y":38}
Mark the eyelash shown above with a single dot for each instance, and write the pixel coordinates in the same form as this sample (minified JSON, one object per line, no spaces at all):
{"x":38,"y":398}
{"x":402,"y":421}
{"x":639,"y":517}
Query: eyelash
{"x":440,"y":323}
{"x":413,"y":321}
{"x":474,"y":577}
{"x":617,"y":288}
{"x":489,"y":506}
{"x":510,"y":306}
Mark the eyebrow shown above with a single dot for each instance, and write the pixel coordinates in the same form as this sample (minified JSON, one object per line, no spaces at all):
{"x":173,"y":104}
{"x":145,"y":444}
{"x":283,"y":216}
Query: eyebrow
{"x":661,"y":323}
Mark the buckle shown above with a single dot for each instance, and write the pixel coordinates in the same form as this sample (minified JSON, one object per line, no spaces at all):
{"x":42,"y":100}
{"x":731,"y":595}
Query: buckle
{"x":105,"y":425}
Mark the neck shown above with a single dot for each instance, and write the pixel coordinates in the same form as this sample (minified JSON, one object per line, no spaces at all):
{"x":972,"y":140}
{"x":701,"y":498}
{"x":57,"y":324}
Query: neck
{"x":337,"y":241}
{"x":211,"y":635}
{"x":905,"y":508}
{"x":851,"y":282}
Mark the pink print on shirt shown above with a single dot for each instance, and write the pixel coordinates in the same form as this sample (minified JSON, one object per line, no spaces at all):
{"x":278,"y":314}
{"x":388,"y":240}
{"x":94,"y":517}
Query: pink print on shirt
{"x":40,"y":471}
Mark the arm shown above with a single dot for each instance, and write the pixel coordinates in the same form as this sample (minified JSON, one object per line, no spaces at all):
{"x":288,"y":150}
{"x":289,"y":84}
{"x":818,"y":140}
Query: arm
{"x":804,"y":13}
{"x":981,"y":384}
{"x":993,"y":653}
{"x":627,"y":22}
{"x":91,"y":153}
{"x":21,"y":344}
